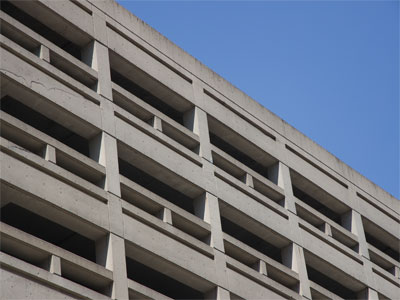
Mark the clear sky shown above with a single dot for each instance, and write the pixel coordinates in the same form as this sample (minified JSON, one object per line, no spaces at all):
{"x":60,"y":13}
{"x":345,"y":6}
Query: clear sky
{"x":328,"y":68}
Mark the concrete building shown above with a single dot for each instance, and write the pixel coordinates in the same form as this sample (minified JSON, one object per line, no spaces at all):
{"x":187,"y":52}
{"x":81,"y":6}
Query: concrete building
{"x":129,"y":170}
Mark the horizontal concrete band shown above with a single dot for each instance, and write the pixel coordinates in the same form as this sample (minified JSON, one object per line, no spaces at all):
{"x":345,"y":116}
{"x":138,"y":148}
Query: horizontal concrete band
{"x":143,"y":161}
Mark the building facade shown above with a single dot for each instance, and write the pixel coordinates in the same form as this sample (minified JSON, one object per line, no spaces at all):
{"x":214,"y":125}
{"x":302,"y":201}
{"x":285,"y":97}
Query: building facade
{"x":129,"y":170}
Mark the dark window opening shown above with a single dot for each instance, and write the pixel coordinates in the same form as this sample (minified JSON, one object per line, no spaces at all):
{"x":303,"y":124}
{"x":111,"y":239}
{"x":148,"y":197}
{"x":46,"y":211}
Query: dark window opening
{"x":155,"y":186}
{"x":146,"y":96}
{"x":237,"y":154}
{"x":251,"y":239}
{"x":383,"y":247}
{"x":41,"y":29}
{"x":44,"y":124}
{"x":49,"y":231}
{"x":326,"y":211}
{"x":160,"y":282}
{"x":330,"y":284}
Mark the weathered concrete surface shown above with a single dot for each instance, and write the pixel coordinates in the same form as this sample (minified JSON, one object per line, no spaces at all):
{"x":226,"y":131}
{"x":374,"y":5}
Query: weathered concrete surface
{"x":207,"y":156}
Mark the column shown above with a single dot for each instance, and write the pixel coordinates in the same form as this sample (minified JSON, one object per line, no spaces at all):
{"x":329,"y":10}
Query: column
{"x":293,"y":258}
{"x":110,"y":253}
{"x":110,"y":250}
{"x":196,"y":121}
{"x":280,"y":175}
{"x":293,"y":255}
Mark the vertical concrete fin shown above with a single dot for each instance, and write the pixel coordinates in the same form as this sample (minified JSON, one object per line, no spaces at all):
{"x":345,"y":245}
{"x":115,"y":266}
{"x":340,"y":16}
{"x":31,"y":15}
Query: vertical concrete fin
{"x":261,"y":267}
{"x":248,"y":180}
{"x":282,"y":175}
{"x":326,"y":228}
{"x":293,"y":258}
{"x":110,"y":253}
{"x":196,"y":120}
{"x":103,"y":149}
{"x":352,"y":221}
{"x":156,"y":122}
{"x":165,"y":215}
{"x":207,"y":208}
{"x":49,"y":153}
{"x":396,"y":271}
{"x":43,"y":52}
{"x":95,"y":55}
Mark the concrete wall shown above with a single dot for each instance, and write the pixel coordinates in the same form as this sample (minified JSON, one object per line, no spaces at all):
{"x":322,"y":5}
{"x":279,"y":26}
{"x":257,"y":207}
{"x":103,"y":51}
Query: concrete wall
{"x":122,"y":155}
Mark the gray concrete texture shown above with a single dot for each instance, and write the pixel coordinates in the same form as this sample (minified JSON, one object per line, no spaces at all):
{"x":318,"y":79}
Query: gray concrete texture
{"x":129,"y":170}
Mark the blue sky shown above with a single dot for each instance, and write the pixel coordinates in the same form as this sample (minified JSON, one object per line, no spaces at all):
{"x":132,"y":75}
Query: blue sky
{"x":328,"y":68}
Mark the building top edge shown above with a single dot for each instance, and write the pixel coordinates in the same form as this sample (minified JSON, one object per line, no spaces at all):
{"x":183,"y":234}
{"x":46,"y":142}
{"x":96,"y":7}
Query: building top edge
{"x":238,"y":98}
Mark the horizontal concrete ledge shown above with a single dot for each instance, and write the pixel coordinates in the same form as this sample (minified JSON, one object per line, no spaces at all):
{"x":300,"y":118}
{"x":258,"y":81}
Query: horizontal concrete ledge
{"x":261,"y":279}
{"x":148,"y":72}
{"x":53,"y":199}
{"x":389,"y":211}
{"x":31,"y":244}
{"x":383,"y":256}
{"x":127,"y":34}
{"x":385,"y":287}
{"x":50,"y":70}
{"x":187,"y":266}
{"x":260,"y":198}
{"x":121,"y":92}
{"x":139,"y":291}
{"x":167,"y":229}
{"x":38,"y":40}
{"x":385,"y":274}
{"x":273,"y":191}
{"x":320,"y":293}
{"x":329,"y":241}
{"x":280,"y":270}
{"x":53,"y":170}
{"x":68,"y":19}
{"x":157,"y":135}
{"x":347,"y":238}
{"x":24,"y":129}
{"x":47,"y":278}
{"x":139,"y":191}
